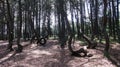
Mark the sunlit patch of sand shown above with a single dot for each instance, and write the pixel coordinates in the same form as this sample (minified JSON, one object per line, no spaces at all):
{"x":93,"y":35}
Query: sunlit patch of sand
{"x":33,"y":45}
{"x":4,"y":43}
{"x":38,"y":52}
{"x":115,"y":46}
{"x":55,"y":47}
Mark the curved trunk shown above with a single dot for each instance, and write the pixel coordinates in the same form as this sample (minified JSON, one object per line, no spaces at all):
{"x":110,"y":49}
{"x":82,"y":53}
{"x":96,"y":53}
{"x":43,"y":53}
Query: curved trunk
{"x":69,"y":44}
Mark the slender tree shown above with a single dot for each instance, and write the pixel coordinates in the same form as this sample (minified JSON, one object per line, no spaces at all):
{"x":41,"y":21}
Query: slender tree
{"x":9,"y":26}
{"x":19,"y":28}
{"x":104,"y":26}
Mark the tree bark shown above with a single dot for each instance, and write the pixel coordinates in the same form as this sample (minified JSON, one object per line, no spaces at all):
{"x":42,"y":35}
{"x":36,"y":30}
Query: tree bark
{"x":19,"y":28}
{"x":104,"y":27}
{"x":9,"y":26}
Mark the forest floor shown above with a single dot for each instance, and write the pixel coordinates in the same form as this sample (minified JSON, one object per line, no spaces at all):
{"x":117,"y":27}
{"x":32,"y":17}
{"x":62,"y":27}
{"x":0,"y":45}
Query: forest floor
{"x":52,"y":55}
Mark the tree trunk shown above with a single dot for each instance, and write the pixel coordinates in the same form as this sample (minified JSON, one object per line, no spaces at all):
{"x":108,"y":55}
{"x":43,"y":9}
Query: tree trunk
{"x":117,"y":22}
{"x":9,"y":27}
{"x":19,"y":28}
{"x":104,"y":27}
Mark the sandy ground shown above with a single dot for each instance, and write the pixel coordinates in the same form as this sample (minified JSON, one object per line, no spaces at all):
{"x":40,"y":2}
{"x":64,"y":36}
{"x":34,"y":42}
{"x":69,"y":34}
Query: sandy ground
{"x":52,"y":56}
